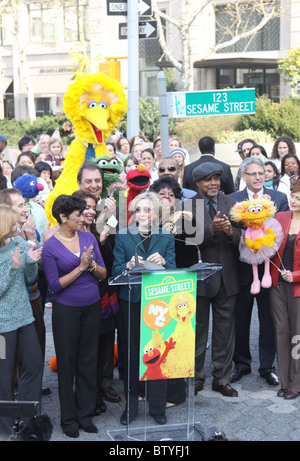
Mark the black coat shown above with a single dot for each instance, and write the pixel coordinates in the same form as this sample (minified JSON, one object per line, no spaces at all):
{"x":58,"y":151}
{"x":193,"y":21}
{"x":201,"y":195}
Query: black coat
{"x":227,"y":185}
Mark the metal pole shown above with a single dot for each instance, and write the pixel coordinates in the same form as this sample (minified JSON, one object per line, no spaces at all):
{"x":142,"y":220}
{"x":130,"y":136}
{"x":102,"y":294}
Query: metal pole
{"x":133,"y":68}
{"x":163,"y":113}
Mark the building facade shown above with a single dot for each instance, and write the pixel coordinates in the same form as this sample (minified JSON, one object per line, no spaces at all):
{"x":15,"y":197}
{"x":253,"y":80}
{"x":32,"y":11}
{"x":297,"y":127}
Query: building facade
{"x":38,"y":41}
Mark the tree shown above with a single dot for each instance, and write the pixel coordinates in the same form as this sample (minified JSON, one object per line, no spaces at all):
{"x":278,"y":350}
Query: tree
{"x":290,"y":68}
{"x":238,"y":26}
{"x":14,"y":7}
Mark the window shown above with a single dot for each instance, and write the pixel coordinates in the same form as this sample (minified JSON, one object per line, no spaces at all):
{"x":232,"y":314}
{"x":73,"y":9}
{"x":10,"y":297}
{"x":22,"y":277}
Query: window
{"x":230,"y":22}
{"x":75,"y":20}
{"x":6,"y":38}
{"x":42,"y":22}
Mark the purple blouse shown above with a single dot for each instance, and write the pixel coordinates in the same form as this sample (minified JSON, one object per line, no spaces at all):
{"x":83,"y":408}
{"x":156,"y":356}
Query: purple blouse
{"x":58,"y":261}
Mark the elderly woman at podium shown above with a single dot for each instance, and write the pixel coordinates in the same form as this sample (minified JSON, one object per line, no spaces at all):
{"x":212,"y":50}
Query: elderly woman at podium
{"x":140,"y":244}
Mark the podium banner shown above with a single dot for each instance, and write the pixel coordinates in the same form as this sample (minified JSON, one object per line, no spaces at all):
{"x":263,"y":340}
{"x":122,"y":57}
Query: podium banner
{"x":167,"y":330}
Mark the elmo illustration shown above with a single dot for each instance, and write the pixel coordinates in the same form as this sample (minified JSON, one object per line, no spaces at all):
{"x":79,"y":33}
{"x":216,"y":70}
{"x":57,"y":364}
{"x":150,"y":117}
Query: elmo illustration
{"x":153,"y":359}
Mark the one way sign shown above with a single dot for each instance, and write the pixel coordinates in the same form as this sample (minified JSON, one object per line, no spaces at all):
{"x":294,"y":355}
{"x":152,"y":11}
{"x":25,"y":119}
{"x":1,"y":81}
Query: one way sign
{"x":115,"y":7}
{"x":147,"y":29}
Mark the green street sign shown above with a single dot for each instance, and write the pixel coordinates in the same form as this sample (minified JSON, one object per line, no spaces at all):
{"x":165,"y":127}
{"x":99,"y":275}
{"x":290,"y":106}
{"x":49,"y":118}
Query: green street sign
{"x":213,"y":102}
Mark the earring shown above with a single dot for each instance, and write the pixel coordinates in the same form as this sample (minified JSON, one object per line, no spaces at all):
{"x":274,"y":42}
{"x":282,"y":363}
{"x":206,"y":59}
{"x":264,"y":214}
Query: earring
{"x":64,"y":220}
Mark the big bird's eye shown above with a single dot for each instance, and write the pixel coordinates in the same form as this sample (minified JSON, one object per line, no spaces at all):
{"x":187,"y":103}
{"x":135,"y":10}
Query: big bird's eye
{"x":185,"y":304}
{"x":179,"y":306}
{"x":91,"y":103}
{"x":103,"y":104}
{"x":103,"y":162}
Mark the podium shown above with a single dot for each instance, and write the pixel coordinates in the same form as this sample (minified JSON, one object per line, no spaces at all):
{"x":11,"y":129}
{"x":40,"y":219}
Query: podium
{"x":188,"y":429}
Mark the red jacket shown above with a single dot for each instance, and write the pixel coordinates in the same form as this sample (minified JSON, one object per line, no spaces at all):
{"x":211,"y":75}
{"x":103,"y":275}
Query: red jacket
{"x":285,"y":218}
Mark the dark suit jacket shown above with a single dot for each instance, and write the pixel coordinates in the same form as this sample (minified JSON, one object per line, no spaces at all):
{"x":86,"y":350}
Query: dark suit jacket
{"x":227,"y":185}
{"x":125,"y":247}
{"x":218,"y":248}
{"x":282,"y":204}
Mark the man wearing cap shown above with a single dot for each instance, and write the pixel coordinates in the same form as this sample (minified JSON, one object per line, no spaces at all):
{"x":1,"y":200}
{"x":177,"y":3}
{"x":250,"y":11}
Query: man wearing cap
{"x":207,"y":149}
{"x":219,"y":246}
{"x":169,"y":166}
{"x":253,"y":173}
{"x":5,"y":152}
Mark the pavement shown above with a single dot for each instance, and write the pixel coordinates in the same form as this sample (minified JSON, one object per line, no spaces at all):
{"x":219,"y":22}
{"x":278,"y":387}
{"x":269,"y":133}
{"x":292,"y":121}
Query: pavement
{"x":257,"y":414}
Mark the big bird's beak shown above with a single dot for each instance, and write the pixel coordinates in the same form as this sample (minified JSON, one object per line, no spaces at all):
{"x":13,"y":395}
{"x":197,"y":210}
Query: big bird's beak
{"x":98,"y":118}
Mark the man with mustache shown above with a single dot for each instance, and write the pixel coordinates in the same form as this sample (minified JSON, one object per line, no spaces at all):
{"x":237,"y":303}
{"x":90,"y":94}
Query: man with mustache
{"x":219,"y":246}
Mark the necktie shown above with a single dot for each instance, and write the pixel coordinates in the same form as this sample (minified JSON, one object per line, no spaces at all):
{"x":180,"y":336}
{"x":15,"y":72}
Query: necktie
{"x":255,"y":196}
{"x":211,"y":209}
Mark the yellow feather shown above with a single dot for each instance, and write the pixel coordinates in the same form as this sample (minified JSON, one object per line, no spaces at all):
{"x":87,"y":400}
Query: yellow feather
{"x":87,"y":87}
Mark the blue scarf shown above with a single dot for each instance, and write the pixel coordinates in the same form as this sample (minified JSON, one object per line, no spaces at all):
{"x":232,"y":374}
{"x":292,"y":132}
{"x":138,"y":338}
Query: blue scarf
{"x":269,"y":184}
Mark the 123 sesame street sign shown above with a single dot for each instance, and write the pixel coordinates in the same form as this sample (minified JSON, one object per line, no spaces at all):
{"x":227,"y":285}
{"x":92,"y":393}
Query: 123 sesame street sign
{"x":215,"y":102}
{"x":168,"y":310}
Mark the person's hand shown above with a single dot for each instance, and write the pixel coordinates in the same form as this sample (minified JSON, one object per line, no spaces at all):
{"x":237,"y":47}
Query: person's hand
{"x":109,"y":208}
{"x":287,"y":276}
{"x":86,"y":258}
{"x":293,"y":179}
{"x":131,"y":263}
{"x":50,"y":231}
{"x":156,"y":258}
{"x":221,"y":224}
{"x":29,"y":229}
{"x":16,"y":258}
{"x":104,"y":234}
{"x":35,"y":254}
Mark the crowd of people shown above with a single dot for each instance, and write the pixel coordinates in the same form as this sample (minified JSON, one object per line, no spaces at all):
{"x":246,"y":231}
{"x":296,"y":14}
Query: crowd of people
{"x":66,"y":267}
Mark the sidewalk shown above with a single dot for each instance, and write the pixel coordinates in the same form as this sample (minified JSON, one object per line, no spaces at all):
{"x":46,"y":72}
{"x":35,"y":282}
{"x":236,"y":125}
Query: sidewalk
{"x":256,"y":415}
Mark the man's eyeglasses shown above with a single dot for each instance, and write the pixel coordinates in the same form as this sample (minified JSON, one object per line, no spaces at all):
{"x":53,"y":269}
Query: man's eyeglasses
{"x":252,"y":175}
{"x":170,"y":168}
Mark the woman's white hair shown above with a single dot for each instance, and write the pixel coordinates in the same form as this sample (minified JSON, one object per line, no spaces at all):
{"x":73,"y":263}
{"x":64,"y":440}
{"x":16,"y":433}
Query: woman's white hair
{"x":153,"y":197}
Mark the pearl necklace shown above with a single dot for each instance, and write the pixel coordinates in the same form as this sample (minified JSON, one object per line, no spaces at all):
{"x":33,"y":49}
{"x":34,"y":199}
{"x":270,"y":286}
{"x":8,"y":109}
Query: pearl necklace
{"x":67,"y":239}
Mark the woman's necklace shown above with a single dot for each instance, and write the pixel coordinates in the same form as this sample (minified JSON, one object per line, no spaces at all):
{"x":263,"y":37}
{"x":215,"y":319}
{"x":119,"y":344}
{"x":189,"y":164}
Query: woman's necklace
{"x":67,"y":239}
{"x":146,"y":234}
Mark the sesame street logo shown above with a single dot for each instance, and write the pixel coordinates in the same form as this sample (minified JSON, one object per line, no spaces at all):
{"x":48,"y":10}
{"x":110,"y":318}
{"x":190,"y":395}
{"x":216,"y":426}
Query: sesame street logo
{"x":2,"y":348}
{"x":168,"y":287}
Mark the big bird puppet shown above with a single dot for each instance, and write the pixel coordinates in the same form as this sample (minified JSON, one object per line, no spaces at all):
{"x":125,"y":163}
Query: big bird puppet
{"x":94,"y":103}
{"x":261,"y":238}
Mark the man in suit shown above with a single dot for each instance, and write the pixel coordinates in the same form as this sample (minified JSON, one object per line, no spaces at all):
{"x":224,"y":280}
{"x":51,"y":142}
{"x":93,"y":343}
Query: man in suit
{"x":253,"y":173}
{"x":207,"y":149}
{"x":220,"y":246}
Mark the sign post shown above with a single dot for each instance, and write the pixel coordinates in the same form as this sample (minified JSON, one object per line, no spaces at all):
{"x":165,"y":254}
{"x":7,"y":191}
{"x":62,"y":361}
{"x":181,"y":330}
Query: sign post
{"x":213,"y":102}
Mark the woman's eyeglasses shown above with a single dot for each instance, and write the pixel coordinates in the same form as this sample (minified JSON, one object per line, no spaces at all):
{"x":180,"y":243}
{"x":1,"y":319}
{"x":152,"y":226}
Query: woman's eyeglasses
{"x":170,"y":168}
{"x":143,"y":210}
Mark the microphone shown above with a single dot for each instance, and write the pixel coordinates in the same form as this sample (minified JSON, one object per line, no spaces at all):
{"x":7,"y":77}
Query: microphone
{"x":135,"y":251}
{"x":186,"y":243}
{"x":204,"y":270}
{"x":148,"y":265}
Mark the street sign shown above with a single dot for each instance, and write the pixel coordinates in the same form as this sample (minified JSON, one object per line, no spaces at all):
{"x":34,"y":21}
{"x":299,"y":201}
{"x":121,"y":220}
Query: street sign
{"x":119,"y":8}
{"x":214,"y":102}
{"x":116,"y":8}
{"x":147,"y":29}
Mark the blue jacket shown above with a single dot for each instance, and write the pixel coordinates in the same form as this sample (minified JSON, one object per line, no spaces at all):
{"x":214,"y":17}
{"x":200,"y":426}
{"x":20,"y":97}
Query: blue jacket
{"x":279,"y":198}
{"x":125,"y":247}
